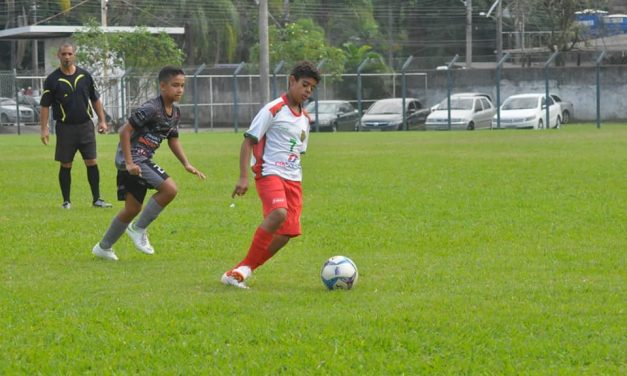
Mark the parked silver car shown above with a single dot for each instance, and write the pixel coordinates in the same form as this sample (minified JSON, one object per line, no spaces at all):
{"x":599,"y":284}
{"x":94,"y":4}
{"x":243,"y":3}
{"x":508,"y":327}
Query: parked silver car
{"x":8,"y":112}
{"x":567,"y":109}
{"x":467,"y":112}
{"x":333,"y":115}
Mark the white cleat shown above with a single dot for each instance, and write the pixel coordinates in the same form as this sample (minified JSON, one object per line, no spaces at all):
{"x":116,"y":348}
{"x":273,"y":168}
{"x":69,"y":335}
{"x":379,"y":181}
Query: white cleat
{"x":140,"y":238}
{"x":106,"y":254}
{"x":237,"y":277}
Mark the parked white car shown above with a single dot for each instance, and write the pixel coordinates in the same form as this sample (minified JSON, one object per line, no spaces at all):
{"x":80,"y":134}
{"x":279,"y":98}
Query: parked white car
{"x":567,"y":109}
{"x":467,"y":112}
{"x":528,"y":111}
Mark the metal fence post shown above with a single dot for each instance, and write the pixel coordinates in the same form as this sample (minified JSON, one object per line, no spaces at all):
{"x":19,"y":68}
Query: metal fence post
{"x":319,"y":66}
{"x":17,"y":100}
{"x":449,"y":85}
{"x":499,"y":66}
{"x":359,"y":94}
{"x":124,"y":94}
{"x":196,"y":73}
{"x":598,"y":63}
{"x":235,"y":106}
{"x":276,"y":71}
{"x":404,"y":88}
{"x":546,"y":87}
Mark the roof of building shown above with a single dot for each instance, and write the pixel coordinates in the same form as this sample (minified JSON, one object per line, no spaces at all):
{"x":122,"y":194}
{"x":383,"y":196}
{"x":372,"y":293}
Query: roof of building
{"x":45,"y":32}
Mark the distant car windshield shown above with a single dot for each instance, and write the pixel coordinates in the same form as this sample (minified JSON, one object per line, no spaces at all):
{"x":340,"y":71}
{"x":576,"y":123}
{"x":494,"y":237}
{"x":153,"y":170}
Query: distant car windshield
{"x":323,"y":108}
{"x":520,"y":103}
{"x":386,"y":107}
{"x":457,"y":104}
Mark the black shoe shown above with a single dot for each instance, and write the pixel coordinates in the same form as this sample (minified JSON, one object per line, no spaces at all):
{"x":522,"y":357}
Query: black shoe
{"x":66,"y":205}
{"x":100,"y":203}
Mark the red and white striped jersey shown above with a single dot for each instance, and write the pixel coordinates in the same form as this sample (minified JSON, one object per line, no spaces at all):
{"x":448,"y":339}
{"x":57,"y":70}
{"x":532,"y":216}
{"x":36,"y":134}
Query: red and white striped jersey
{"x":281,"y":136}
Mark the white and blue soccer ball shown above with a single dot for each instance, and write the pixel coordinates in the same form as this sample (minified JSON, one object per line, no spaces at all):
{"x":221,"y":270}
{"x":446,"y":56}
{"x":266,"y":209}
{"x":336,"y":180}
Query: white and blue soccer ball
{"x":339,"y":272}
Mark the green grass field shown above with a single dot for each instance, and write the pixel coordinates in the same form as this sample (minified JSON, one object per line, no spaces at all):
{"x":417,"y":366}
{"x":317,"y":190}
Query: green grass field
{"x":487,"y":252}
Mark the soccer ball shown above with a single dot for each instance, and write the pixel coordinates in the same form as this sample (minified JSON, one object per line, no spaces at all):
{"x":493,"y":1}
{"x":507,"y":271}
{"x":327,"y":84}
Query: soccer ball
{"x":339,"y":272}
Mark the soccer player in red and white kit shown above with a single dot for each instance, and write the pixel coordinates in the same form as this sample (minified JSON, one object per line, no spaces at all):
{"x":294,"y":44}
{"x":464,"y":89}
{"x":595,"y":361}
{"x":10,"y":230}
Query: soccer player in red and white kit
{"x":276,"y":139}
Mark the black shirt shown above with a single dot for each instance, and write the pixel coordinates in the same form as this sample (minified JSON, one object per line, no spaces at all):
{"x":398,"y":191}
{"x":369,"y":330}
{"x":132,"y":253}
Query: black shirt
{"x":70,"y":96}
{"x":151,"y":125}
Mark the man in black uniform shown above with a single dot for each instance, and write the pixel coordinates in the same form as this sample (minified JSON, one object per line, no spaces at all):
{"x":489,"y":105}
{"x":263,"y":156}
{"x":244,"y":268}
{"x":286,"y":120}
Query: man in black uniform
{"x":71,"y":92}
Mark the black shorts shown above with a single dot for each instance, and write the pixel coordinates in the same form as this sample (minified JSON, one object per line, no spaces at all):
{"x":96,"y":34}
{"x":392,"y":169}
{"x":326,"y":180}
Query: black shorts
{"x":73,"y":137}
{"x":152,"y":177}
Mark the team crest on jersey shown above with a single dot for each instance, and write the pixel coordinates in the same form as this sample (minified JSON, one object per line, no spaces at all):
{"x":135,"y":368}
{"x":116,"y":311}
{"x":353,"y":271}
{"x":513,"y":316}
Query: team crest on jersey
{"x":303,"y":135}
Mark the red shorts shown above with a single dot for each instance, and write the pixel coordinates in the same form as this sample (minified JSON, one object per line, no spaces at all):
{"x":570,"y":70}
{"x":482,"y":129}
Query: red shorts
{"x":276,"y":192}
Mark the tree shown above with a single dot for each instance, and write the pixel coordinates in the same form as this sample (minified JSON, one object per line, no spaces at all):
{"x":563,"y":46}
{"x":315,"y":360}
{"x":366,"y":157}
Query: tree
{"x":211,"y":27}
{"x":138,"y":50}
{"x":107,"y":54}
{"x":558,"y":17}
{"x":302,"y":40}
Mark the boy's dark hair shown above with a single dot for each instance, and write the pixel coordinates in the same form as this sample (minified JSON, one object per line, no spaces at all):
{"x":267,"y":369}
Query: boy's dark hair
{"x":305,"y":69}
{"x":168,"y":72}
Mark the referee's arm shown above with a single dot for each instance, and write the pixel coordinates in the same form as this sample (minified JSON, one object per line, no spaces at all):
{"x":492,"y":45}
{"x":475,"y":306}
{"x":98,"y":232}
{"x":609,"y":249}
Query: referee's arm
{"x":102,"y":122}
{"x":43,"y":124}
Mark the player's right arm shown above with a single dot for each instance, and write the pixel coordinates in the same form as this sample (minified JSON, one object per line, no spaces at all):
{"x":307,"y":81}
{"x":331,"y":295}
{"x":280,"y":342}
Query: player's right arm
{"x":241,"y":187}
{"x":125,"y":142}
{"x":258,"y":128}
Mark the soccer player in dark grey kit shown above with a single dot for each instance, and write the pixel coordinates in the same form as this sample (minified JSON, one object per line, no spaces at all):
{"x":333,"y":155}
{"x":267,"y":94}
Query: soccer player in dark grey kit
{"x":71,"y":92}
{"x":153,"y":122}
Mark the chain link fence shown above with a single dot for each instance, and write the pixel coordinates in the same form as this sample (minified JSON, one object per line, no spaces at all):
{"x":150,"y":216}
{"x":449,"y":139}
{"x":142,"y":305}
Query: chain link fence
{"x":223,"y":97}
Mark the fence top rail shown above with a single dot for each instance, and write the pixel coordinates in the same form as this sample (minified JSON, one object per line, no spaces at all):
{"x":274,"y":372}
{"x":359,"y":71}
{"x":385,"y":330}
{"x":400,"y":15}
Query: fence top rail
{"x":323,"y":75}
{"x":240,"y":76}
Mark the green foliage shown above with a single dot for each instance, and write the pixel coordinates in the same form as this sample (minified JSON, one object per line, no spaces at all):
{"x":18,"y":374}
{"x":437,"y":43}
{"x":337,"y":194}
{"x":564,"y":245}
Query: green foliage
{"x":480,"y":253}
{"x":301,"y":40}
{"x":355,"y":55}
{"x":138,"y":50}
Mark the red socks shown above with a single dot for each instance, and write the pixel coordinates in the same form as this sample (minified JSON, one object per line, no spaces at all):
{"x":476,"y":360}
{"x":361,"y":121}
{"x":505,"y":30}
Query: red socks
{"x":258,"y":252}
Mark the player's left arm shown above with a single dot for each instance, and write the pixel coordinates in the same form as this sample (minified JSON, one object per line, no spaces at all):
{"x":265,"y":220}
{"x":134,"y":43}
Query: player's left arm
{"x":177,"y":150}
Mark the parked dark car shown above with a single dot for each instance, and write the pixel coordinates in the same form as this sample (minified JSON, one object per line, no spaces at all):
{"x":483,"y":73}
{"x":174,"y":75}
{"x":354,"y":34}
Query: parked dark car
{"x":387,"y":115}
{"x":333,"y":115}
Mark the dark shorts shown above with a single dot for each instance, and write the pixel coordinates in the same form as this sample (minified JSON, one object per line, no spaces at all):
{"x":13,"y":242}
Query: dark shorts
{"x":73,"y":137}
{"x":152,"y":177}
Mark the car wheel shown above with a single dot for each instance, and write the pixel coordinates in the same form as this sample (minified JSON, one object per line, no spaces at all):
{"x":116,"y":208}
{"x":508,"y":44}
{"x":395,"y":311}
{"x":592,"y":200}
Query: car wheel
{"x":540,"y":124}
{"x":471,"y":126}
{"x":4,"y":119}
{"x":558,"y":123}
{"x":565,"y":117}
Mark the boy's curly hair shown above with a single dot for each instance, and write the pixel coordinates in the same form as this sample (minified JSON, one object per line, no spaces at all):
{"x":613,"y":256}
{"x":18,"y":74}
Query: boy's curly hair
{"x":305,"y":69}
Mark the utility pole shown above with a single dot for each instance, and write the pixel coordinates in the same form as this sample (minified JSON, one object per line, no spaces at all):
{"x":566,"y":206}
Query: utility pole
{"x":499,"y":30}
{"x":499,"y":26}
{"x":468,"y":33}
{"x":103,"y":13}
{"x":264,"y":53}
{"x":35,"y":53}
